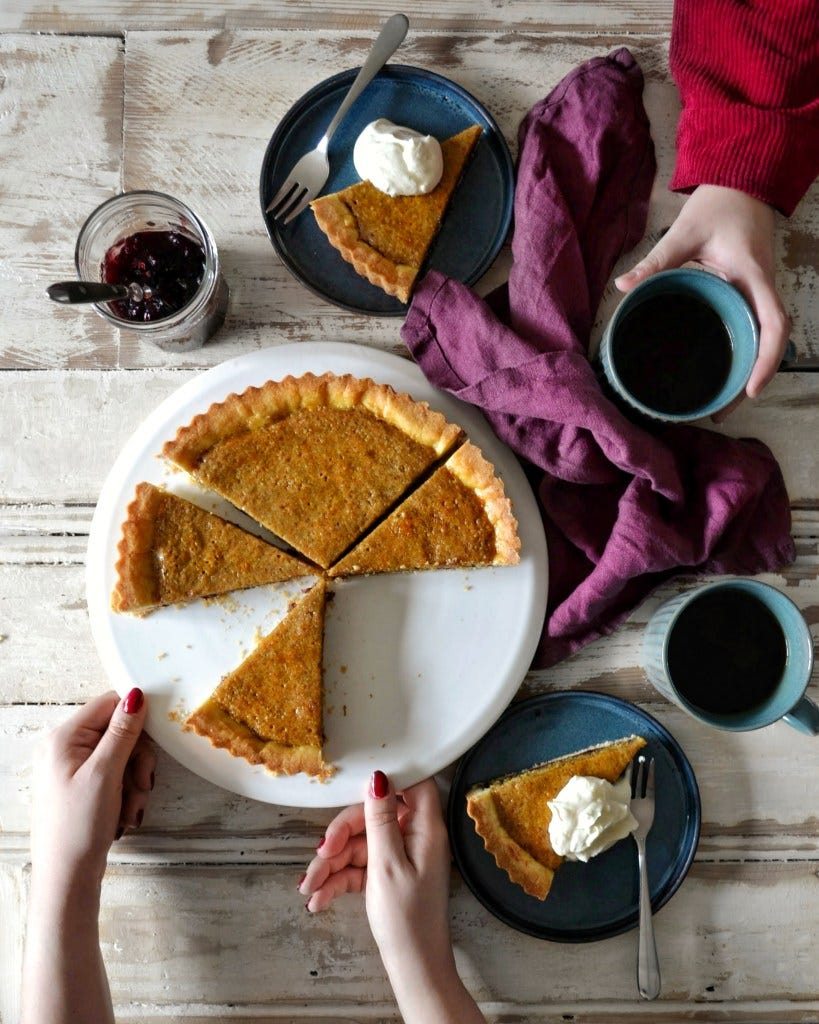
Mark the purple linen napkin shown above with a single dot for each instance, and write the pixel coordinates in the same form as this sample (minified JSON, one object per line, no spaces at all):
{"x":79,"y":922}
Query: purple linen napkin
{"x":624,"y":505}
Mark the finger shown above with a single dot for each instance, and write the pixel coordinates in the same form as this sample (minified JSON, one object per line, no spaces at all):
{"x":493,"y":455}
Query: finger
{"x":345,"y":825}
{"x":774,"y":331}
{"x":119,"y":740}
{"x":426,"y":821}
{"x":93,"y":716}
{"x":134,"y":802}
{"x":384,"y":838}
{"x":672,"y":250}
{"x":319,"y":869}
{"x":425,"y":803}
{"x":137,"y":784}
{"x":142,"y":765}
{"x":349,"y":880}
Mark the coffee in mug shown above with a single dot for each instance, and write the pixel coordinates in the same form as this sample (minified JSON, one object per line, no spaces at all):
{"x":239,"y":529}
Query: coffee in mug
{"x":680,"y":346}
{"x":736,"y":654}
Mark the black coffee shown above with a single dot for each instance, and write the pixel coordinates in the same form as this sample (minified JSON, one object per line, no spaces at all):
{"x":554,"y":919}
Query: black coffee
{"x":672,"y":353}
{"x":726,"y":652}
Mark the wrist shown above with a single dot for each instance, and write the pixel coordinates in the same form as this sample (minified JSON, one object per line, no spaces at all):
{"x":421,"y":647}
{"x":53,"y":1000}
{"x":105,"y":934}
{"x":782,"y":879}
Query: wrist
{"x":66,"y":893}
{"x":425,"y":982}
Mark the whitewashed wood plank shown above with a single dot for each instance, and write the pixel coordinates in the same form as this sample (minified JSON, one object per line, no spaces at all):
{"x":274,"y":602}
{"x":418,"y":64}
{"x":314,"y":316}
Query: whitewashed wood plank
{"x":236,"y":944}
{"x":199,"y":939}
{"x":94,"y":16}
{"x":60,"y":432}
{"x":12,"y":914}
{"x":60,"y":154}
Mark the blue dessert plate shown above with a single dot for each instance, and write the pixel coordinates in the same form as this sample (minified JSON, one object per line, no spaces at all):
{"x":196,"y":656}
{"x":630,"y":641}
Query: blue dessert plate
{"x":479,"y":215}
{"x":587,"y":901}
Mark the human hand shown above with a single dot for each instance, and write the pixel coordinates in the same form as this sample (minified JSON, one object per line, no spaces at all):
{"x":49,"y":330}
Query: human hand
{"x":92,"y":781}
{"x":396,"y":850}
{"x":731,"y":234}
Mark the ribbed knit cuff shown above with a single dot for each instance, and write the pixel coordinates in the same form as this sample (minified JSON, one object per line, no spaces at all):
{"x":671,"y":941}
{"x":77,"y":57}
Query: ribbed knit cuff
{"x":747,"y":80}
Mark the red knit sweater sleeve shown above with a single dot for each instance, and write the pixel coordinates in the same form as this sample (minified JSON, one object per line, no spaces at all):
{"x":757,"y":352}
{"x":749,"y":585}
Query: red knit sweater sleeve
{"x":748,"y":77}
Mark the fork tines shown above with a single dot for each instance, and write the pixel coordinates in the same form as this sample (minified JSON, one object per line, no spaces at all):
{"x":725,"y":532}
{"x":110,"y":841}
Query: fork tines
{"x":642,"y":777}
{"x":289,"y":201}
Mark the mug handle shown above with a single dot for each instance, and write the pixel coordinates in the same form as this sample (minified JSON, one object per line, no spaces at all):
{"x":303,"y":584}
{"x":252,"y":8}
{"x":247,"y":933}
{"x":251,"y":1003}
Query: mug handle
{"x":804,"y":716}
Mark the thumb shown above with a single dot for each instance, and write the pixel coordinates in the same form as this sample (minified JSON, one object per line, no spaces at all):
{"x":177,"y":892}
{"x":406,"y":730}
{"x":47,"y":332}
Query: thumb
{"x":384,"y":839}
{"x":119,"y":739}
{"x":669,"y":252}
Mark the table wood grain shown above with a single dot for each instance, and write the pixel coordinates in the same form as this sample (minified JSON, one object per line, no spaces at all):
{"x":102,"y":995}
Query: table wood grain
{"x":201,"y":919}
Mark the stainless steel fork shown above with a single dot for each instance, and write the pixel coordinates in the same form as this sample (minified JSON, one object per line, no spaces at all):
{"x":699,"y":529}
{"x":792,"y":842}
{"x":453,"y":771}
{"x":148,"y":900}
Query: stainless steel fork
{"x":309,"y":174}
{"x":642,"y":807}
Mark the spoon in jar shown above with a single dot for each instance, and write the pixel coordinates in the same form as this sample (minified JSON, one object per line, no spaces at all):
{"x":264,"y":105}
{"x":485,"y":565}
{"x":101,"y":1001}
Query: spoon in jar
{"x":72,"y":292}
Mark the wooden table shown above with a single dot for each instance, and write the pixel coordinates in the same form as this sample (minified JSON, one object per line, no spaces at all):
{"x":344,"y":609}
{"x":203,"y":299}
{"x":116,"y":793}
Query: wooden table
{"x":201,"y":917}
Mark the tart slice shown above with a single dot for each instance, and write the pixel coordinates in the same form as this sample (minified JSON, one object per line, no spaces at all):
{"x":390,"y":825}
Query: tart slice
{"x":317,"y":460}
{"x":512,"y":815}
{"x":387,"y":238}
{"x":269,"y":709}
{"x":172,"y":551}
{"x":459,"y":517}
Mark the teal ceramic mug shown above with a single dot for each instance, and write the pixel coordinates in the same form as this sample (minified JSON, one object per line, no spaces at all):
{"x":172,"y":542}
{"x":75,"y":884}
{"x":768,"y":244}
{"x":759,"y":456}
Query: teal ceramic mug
{"x":680,"y":346}
{"x":736,"y":654}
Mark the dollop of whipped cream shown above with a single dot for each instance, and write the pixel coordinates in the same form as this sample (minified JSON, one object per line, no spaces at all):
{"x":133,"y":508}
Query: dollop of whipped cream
{"x":589,"y":815}
{"x":398,"y":161}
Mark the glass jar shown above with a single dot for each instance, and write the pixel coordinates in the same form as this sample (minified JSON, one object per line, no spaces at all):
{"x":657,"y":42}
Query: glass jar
{"x":127,"y":220}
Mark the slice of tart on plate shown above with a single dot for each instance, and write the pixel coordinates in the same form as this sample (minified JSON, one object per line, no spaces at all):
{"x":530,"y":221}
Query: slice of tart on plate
{"x":459,"y":517}
{"x":512,"y":813}
{"x":269,"y":710}
{"x":316,"y":460}
{"x":173,"y":551}
{"x":387,"y":238}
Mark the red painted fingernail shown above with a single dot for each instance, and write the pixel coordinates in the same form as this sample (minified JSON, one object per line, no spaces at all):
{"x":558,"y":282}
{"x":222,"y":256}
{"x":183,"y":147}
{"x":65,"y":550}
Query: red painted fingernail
{"x":133,"y":701}
{"x":139,"y":817}
{"x":320,"y":843}
{"x":379,"y":785}
{"x":301,"y":880}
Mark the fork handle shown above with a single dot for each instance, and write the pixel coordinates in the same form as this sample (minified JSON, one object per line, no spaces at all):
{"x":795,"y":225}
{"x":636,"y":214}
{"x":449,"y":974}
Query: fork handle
{"x":389,"y":39}
{"x":648,"y":966}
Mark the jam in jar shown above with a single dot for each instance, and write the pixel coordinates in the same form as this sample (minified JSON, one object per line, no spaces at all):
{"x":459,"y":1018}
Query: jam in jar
{"x":158,"y":243}
{"x":167,"y":265}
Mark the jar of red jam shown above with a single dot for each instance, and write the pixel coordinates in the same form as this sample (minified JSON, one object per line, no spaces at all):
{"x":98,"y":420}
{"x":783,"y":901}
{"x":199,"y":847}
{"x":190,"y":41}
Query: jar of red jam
{"x":155,"y":241}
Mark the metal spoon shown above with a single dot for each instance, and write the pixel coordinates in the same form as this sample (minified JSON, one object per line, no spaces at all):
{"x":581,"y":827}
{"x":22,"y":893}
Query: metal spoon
{"x":72,"y":292}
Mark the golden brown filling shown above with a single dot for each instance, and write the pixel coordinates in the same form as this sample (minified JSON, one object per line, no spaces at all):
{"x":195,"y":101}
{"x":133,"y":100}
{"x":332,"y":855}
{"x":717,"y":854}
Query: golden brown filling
{"x":276,"y":691}
{"x":192,"y":549}
{"x":403,"y":227}
{"x":444,"y":523}
{"x":317,"y":478}
{"x":522,"y":809}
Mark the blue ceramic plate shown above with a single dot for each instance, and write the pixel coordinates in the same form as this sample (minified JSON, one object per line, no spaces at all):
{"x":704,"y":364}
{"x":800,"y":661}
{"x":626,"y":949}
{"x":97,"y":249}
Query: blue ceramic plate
{"x":587,"y":901}
{"x":479,"y":215}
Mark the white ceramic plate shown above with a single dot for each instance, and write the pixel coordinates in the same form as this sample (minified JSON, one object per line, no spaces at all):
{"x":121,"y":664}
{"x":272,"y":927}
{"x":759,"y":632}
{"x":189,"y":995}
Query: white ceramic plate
{"x":417,"y":665}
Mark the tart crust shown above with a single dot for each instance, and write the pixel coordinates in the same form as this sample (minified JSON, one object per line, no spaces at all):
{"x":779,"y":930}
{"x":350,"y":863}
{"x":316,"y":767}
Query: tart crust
{"x":269,"y":709}
{"x":459,"y":517}
{"x":512,"y":816}
{"x":317,"y":460}
{"x":387,"y":238}
{"x":172,"y":551}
